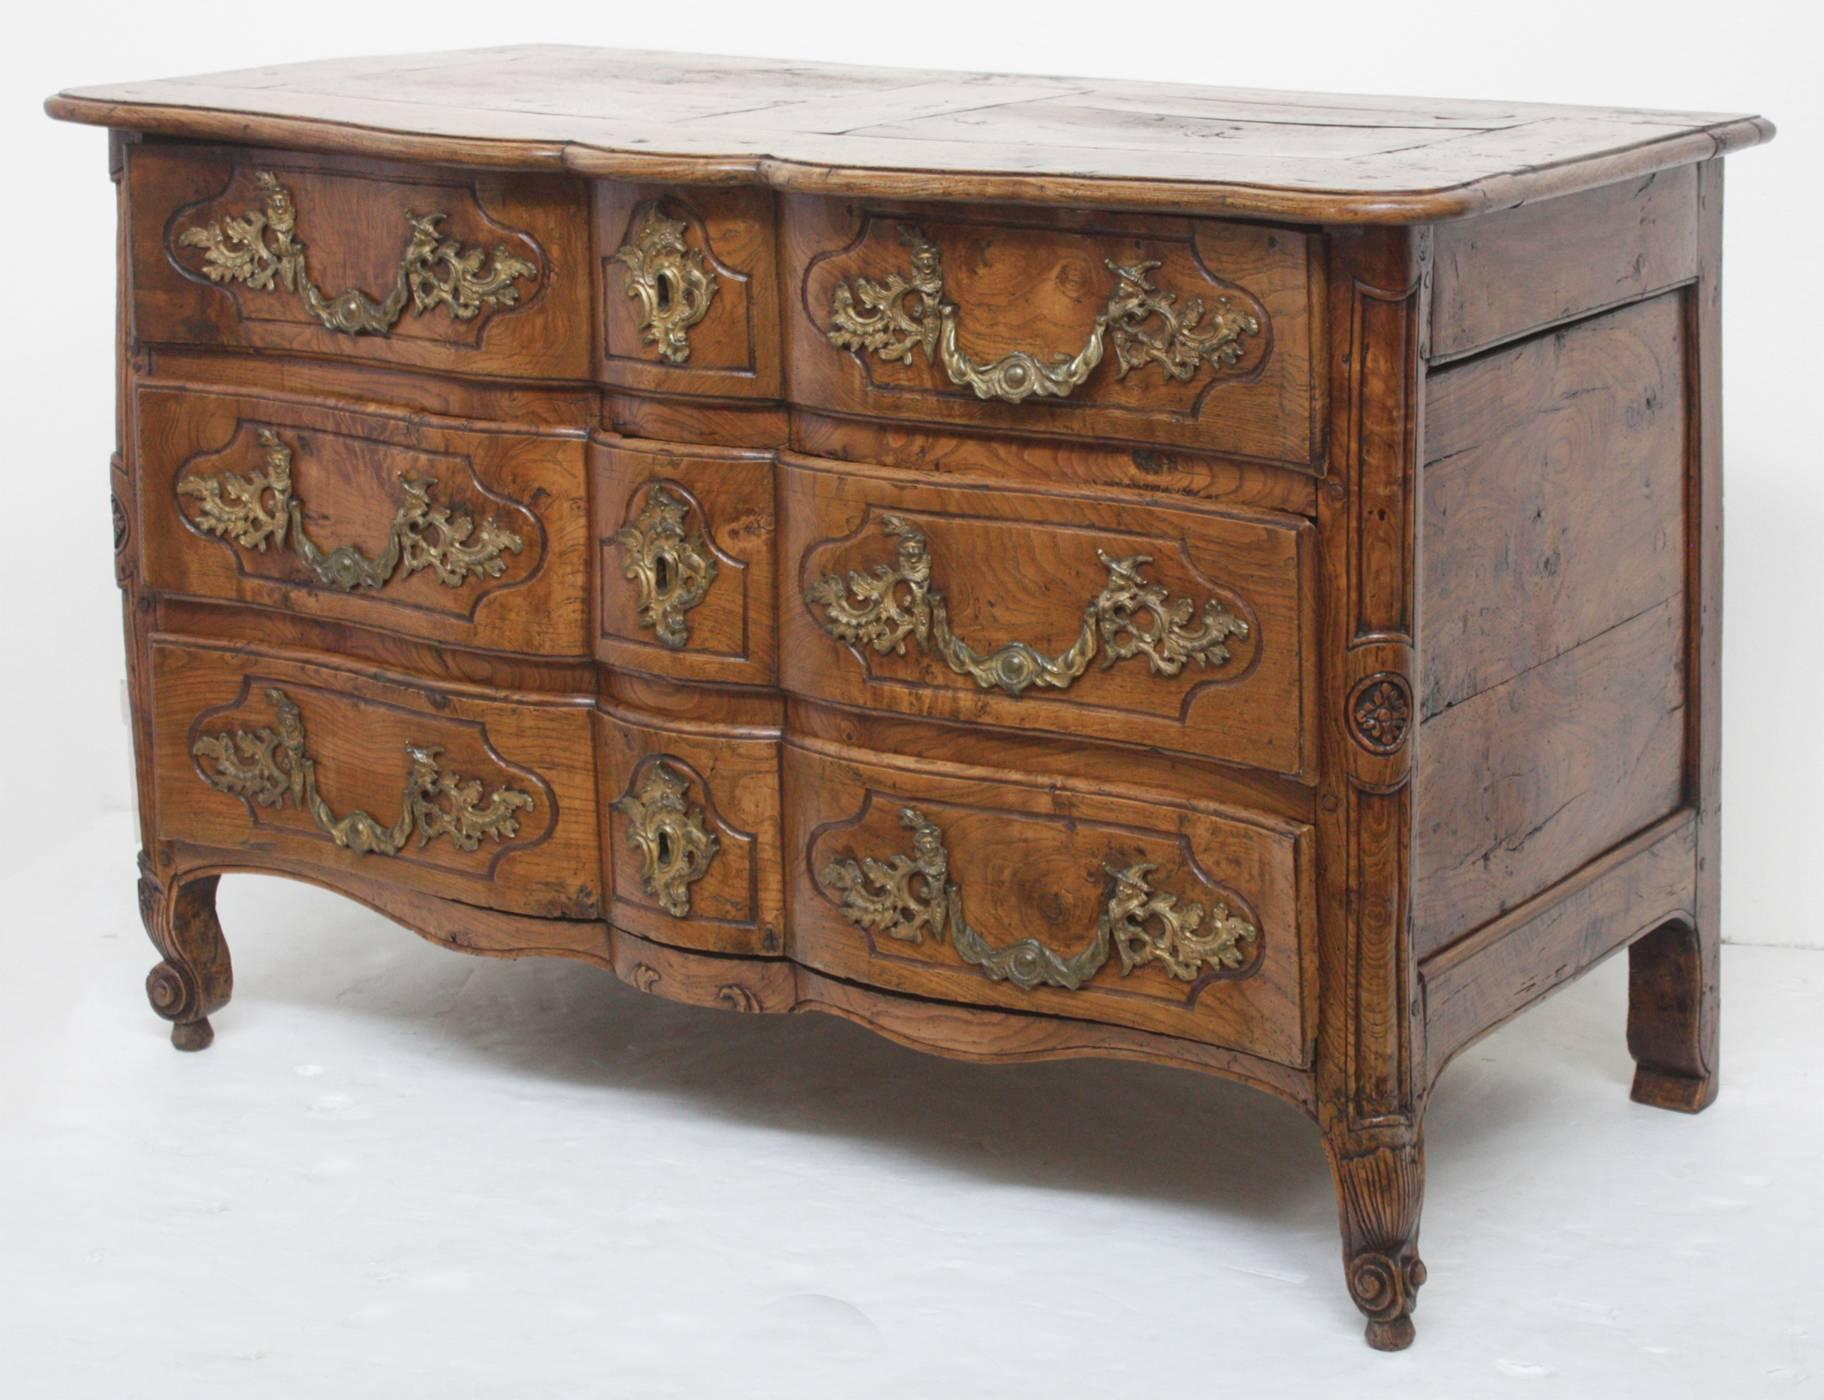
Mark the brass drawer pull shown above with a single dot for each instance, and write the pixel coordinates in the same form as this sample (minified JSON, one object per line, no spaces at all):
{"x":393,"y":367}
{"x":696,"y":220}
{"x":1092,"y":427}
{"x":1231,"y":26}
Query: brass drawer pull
{"x":672,"y":568}
{"x":270,"y":767}
{"x":261,"y":508}
{"x":675,"y":849}
{"x":909,"y":312}
{"x":1130,"y":617}
{"x":908,"y":896}
{"x":260,"y":248}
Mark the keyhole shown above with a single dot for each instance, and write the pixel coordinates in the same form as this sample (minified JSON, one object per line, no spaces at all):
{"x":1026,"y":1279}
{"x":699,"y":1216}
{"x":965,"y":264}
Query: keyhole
{"x":664,"y":848}
{"x":661,"y":573}
{"x":664,"y":281}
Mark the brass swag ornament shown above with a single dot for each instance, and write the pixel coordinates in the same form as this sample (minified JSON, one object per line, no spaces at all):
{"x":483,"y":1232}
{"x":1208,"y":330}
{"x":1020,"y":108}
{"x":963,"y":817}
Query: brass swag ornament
{"x":260,"y":248}
{"x":909,"y":312}
{"x":670,"y":280}
{"x":261,"y":508}
{"x":1130,"y":617}
{"x":675,"y":850}
{"x":270,"y":768}
{"x":672,"y":568}
{"x":909,"y":896}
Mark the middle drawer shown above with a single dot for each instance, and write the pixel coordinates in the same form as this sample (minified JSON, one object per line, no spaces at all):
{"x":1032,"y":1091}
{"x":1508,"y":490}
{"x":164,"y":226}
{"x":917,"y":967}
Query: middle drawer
{"x":1183,"y":629}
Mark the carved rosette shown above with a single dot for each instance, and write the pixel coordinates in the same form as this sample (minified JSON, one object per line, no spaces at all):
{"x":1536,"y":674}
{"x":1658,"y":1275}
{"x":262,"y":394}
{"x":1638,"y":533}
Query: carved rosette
{"x":260,"y":250}
{"x":675,"y":849}
{"x":672,"y":566}
{"x":271,"y":768}
{"x":909,"y":311}
{"x":669,"y":279}
{"x":909,"y":896}
{"x":262,"y":508}
{"x":1380,"y":712}
{"x":1131,"y":617}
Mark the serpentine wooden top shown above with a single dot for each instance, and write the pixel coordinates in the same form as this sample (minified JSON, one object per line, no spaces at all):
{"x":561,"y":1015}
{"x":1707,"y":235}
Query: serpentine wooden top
{"x":917,"y":134}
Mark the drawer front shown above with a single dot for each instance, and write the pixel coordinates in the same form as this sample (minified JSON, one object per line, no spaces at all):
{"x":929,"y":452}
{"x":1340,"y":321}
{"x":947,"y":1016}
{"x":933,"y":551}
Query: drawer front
{"x":1185,"y":332}
{"x":692,"y":833}
{"x":481,"y":800}
{"x":435,"y":531}
{"x":684,"y":579}
{"x":690,"y":290}
{"x":471,"y":271}
{"x":1177,"y":629}
{"x":978,"y":887}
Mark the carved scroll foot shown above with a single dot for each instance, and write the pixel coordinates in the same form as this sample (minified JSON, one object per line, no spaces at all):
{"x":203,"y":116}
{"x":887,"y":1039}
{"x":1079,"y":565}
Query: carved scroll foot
{"x":1380,"y":1191}
{"x":1672,"y":1018}
{"x":195,"y":978}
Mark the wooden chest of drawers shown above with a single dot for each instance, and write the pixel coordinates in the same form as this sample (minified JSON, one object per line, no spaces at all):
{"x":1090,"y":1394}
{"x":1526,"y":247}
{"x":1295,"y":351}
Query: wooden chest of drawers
{"x":980,"y":557}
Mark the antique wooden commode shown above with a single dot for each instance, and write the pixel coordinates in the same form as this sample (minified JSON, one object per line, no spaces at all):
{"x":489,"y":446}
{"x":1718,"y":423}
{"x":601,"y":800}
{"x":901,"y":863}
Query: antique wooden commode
{"x":1035,"y":567}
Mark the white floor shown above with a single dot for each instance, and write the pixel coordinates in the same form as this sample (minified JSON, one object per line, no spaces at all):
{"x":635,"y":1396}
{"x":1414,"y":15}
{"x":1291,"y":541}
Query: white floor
{"x":402,"y":1172}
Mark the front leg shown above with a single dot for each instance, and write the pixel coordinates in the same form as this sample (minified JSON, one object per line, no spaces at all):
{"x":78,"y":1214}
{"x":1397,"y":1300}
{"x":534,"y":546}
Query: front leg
{"x":1380,"y":1189}
{"x":195,"y":978}
{"x":1672,"y":1006}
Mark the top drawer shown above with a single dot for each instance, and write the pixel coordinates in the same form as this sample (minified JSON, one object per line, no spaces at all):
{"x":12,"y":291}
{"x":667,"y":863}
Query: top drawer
{"x":1186,"y":332}
{"x":466,"y":271}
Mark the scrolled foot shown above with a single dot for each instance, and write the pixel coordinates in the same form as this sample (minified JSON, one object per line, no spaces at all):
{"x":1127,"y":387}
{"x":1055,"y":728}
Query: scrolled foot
{"x":1386,"y":1289}
{"x":195,"y":977}
{"x":1672,"y":1018}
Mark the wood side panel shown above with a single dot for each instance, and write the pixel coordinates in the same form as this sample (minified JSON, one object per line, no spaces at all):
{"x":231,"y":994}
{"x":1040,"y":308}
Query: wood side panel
{"x":726,"y":497}
{"x":1506,"y":274}
{"x":1553,"y":496}
{"x":1033,"y":862}
{"x":348,"y":474}
{"x":351,"y":219}
{"x":1017,"y":567}
{"x":1036,"y":282}
{"x":733,"y":351}
{"x":1481,"y":981}
{"x":1525,"y":782}
{"x":357,"y":728}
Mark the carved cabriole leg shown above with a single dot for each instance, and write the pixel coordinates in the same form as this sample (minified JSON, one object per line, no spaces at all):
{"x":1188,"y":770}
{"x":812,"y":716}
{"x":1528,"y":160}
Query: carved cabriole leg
{"x":196,"y":978}
{"x":1672,"y":1020}
{"x":1379,"y":1192}
{"x":1370,"y":1057}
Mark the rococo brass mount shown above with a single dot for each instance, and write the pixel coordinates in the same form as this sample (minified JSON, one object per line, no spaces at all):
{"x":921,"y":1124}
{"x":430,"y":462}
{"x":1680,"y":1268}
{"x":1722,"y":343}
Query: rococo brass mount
{"x":670,"y":280}
{"x":271,"y":768}
{"x":672,"y":568}
{"x":910,"y":312}
{"x":675,"y":850}
{"x":908,"y":896}
{"x":261,"y":508}
{"x":1130,"y":617}
{"x":260,"y":248}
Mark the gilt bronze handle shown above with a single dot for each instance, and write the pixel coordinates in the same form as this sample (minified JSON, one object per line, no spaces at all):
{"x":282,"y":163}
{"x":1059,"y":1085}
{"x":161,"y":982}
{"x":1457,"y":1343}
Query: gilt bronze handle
{"x":270,"y":767}
{"x":909,"y":311}
{"x":260,"y":250}
{"x":908,"y":896}
{"x":1132,"y":616}
{"x":262,"y":508}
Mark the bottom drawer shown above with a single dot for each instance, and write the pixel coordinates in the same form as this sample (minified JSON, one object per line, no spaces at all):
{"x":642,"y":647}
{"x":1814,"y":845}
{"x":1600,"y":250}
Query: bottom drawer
{"x":482,"y":800}
{"x":979,"y":886}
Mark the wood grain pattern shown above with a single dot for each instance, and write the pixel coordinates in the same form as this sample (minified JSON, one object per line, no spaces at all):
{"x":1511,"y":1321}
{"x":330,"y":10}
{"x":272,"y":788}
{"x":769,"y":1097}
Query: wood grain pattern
{"x":734,"y":349}
{"x":1030,"y":861}
{"x":1522,"y":784}
{"x":1023,"y":568}
{"x":351,"y":218}
{"x":1036,"y":282}
{"x":1554,"y":497}
{"x":729,"y":498}
{"x":909,"y":133}
{"x":346,"y":469}
{"x":1512,"y":273}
